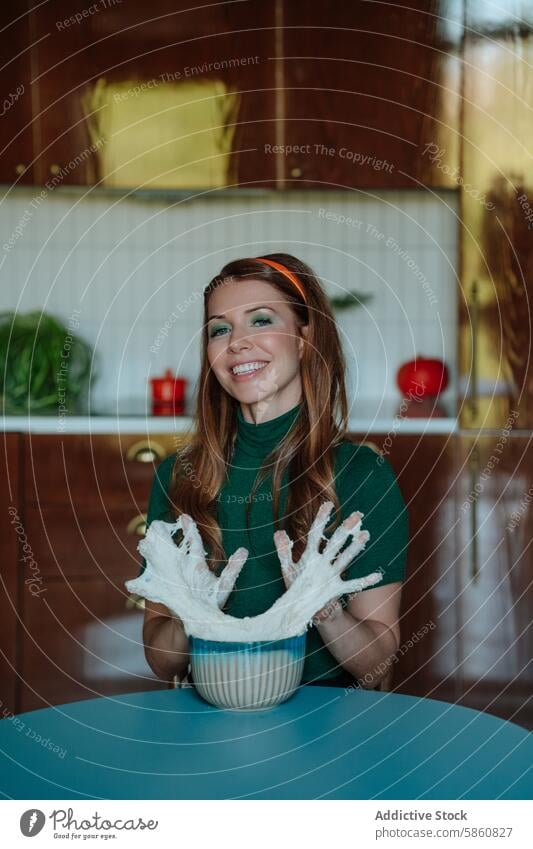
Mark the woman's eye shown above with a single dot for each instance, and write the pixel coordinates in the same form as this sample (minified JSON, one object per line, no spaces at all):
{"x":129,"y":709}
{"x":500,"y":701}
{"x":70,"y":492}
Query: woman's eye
{"x":214,"y":332}
{"x":265,"y":319}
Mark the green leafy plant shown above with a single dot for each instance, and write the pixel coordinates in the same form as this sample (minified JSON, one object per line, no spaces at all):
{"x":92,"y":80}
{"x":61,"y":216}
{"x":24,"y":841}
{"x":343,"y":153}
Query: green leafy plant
{"x":348,"y":300}
{"x":42,"y":362}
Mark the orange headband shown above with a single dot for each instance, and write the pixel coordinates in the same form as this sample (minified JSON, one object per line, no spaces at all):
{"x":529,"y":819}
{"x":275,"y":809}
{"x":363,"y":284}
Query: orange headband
{"x":288,"y":274}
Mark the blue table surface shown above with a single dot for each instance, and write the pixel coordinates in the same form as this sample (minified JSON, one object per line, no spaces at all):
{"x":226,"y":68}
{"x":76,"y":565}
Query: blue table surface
{"x":324,"y":742}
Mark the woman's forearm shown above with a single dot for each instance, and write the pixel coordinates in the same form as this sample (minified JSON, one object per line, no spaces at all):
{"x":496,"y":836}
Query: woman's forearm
{"x":166,"y":647}
{"x":363,"y":647}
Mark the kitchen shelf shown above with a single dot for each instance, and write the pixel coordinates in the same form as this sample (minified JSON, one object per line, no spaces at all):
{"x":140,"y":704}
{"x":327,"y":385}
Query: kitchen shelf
{"x":372,"y":417}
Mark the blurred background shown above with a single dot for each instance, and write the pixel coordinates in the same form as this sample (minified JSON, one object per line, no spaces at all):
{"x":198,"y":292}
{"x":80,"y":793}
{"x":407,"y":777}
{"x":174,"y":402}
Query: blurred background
{"x":388,"y":145}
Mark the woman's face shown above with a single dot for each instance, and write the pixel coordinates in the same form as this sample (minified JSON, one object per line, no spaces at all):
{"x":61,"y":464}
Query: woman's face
{"x":250,"y":322}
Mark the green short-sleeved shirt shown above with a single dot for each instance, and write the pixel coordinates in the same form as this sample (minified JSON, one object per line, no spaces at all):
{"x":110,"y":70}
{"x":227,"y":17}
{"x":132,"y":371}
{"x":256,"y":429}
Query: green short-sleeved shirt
{"x":364,"y":481}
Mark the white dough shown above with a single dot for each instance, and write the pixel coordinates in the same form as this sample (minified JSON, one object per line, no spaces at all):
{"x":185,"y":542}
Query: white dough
{"x":178,"y":577}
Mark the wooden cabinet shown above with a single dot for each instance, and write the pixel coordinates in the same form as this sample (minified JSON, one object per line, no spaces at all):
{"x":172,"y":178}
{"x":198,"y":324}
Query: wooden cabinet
{"x":370,"y":94}
{"x":83,"y":470}
{"x":426,"y":471}
{"x":252,"y":75}
{"x":66,"y":62}
{"x":172,"y":99}
{"x":12,"y":535}
{"x":425,"y":468}
{"x":250,"y":94}
{"x":82,"y":641}
{"x":495,"y":594}
{"x":85,"y":507}
{"x":16,"y":106}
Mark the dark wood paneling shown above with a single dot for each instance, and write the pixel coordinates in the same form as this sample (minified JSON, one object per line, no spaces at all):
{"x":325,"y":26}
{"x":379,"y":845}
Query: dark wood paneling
{"x":16,"y":95}
{"x":86,"y":470}
{"x":11,"y":521}
{"x":79,"y":638}
{"x":426,"y":470}
{"x":368,"y":88}
{"x":351,"y":78}
{"x":90,"y":542}
{"x":160,"y":59}
{"x":81,"y":642}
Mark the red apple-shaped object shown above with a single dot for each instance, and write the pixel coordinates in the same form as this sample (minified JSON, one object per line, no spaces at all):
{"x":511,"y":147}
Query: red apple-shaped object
{"x":422,"y":377}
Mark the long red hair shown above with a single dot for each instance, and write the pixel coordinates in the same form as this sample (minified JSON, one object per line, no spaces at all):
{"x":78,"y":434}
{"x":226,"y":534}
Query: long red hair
{"x":308,"y":448}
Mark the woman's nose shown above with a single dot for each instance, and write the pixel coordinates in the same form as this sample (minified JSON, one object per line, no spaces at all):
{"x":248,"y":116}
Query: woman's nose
{"x":238,"y":343}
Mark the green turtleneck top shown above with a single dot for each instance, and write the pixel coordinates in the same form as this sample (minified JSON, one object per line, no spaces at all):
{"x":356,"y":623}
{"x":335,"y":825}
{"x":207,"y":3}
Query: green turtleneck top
{"x":363,"y":480}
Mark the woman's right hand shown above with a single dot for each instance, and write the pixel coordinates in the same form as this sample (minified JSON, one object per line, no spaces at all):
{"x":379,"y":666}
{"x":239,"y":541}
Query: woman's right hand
{"x":217,"y":590}
{"x":166,"y":645}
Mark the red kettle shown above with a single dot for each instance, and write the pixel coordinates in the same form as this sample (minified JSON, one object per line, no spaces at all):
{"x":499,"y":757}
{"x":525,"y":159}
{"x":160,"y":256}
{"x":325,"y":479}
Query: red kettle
{"x":168,"y":394}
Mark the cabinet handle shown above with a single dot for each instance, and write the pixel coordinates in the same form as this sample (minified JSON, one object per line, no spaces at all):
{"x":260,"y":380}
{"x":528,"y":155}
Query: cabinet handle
{"x":145,"y":452}
{"x":55,"y":169}
{"x":20,"y":168}
{"x":296,"y":172}
{"x":474,"y":312}
{"x":473,"y":463}
{"x":137,"y":525}
{"x":135,"y":602}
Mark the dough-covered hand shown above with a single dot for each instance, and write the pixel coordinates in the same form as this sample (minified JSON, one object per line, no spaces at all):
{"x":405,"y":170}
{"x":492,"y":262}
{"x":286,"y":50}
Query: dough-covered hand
{"x":330,"y":556}
{"x":215,"y":591}
{"x":178,"y":575}
{"x":350,"y":526}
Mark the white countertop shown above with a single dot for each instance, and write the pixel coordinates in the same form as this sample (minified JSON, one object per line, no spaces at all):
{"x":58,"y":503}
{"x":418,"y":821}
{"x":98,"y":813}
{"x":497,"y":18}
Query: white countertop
{"x":370,"y":416}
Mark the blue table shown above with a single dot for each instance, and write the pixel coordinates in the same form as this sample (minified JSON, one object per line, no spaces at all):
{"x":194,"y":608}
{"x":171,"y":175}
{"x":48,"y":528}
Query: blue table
{"x":324,"y":742}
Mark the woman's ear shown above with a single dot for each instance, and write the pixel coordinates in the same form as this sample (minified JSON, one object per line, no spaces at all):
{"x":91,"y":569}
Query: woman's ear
{"x":304,"y":330}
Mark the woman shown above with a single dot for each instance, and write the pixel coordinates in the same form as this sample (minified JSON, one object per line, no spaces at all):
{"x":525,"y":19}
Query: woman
{"x":268,"y":449}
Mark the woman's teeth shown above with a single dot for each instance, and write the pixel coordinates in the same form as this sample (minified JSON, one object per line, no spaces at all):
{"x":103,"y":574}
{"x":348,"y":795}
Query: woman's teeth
{"x":247,"y":367}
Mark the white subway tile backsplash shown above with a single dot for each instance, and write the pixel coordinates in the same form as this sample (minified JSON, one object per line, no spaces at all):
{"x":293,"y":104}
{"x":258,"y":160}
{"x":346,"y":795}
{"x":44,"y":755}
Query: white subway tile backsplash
{"x":129,"y":264}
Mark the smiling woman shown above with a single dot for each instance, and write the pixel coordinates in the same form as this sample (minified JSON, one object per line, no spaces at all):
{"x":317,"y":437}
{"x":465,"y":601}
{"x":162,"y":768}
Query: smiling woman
{"x":259,"y":344}
{"x":270,"y":429}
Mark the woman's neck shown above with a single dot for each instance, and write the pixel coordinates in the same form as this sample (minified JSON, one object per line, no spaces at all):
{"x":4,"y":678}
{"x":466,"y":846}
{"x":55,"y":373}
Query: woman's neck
{"x":258,"y":440}
{"x":270,"y":408}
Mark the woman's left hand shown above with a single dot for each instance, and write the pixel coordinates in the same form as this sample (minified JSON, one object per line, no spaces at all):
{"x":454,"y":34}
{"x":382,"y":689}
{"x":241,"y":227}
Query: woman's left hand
{"x":291,"y":570}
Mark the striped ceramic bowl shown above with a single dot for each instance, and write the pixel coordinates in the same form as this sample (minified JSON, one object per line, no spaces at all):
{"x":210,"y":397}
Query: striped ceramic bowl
{"x":247,"y":676}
